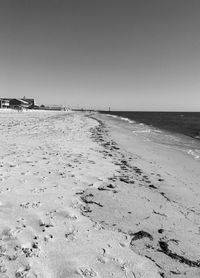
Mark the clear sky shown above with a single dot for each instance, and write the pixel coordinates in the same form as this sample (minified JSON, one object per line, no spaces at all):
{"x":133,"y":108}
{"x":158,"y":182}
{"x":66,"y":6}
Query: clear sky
{"x":126,"y":54}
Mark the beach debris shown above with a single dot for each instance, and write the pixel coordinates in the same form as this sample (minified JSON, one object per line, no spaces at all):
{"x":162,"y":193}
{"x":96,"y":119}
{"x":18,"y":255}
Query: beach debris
{"x":103,"y":188}
{"x":161,"y":214}
{"x":111,"y":186}
{"x":164,"y":195}
{"x":153,"y":186}
{"x":164,"y":248}
{"x":139,"y":235}
{"x":88,"y":200}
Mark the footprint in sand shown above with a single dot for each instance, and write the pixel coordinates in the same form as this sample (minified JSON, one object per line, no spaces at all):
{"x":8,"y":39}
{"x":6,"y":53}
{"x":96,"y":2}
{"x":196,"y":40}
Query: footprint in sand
{"x":71,"y":234}
{"x":20,"y":226}
{"x":3,"y":269}
{"x":11,"y":250}
{"x":87,"y":272}
{"x":24,"y":173}
{"x":4,"y":190}
{"x":7,"y":234}
{"x":45,"y":224}
{"x":22,"y":271}
{"x":30,"y":249}
{"x":30,"y":205}
{"x":38,"y":190}
{"x":48,"y":237}
{"x":63,"y":214}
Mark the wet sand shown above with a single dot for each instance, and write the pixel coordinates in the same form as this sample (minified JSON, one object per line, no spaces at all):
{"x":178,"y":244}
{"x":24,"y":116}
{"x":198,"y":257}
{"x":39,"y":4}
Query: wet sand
{"x":158,"y":195}
{"x":80,"y":196}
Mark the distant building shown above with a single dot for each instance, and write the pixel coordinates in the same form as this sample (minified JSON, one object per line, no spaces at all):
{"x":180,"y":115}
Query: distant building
{"x":4,"y":103}
{"x":54,"y":107}
{"x":30,"y":101}
{"x":16,"y":103}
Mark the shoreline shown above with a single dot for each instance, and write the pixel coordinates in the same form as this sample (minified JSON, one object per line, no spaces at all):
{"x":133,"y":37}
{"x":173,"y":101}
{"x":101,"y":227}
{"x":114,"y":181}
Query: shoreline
{"x":181,"y":123}
{"x":159,"y":173}
{"x":85,"y":198}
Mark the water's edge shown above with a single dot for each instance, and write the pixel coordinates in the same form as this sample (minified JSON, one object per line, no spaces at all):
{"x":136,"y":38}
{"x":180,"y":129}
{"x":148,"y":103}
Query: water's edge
{"x":159,"y":133}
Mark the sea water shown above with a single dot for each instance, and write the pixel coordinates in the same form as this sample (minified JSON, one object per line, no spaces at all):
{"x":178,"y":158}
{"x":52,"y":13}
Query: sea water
{"x":176,"y":130}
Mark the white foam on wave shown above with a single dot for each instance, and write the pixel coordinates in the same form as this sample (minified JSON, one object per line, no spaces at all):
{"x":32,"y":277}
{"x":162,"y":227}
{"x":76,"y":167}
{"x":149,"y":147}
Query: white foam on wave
{"x":142,"y":131}
{"x":121,"y":118}
{"x":194,"y":153}
{"x":127,"y":120}
{"x":173,"y":138}
{"x":157,"y":131}
{"x":113,"y":116}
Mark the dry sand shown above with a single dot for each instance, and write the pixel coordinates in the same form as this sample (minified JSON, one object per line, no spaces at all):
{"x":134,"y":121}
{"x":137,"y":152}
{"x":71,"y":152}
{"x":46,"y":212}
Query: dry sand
{"x":80,"y":196}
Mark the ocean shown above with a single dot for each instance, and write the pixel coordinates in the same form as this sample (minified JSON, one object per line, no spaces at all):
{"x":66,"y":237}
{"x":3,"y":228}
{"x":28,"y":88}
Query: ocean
{"x":179,"y":130}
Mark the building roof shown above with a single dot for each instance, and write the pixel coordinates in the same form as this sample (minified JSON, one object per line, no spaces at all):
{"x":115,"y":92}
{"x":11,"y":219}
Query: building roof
{"x":21,"y":100}
{"x":24,"y":99}
{"x":28,"y":99}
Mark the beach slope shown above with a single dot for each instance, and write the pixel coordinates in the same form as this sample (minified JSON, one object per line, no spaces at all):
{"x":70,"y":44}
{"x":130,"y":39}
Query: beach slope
{"x":48,"y":160}
{"x":80,"y":196}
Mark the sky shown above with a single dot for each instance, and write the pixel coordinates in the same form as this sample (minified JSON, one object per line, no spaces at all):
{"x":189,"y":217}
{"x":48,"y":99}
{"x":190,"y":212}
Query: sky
{"x":96,"y":54}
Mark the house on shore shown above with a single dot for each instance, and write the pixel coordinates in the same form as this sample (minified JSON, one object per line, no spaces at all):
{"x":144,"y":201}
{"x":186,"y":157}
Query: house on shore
{"x":4,"y":103}
{"x":17,"y":103}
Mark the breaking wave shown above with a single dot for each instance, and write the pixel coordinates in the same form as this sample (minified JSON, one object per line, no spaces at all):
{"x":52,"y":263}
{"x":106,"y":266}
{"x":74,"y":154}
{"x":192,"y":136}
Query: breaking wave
{"x":186,"y":144}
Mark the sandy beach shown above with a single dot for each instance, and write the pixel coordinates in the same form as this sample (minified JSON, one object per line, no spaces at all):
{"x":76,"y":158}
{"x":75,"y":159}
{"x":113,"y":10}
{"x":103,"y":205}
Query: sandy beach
{"x":81,"y":196}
